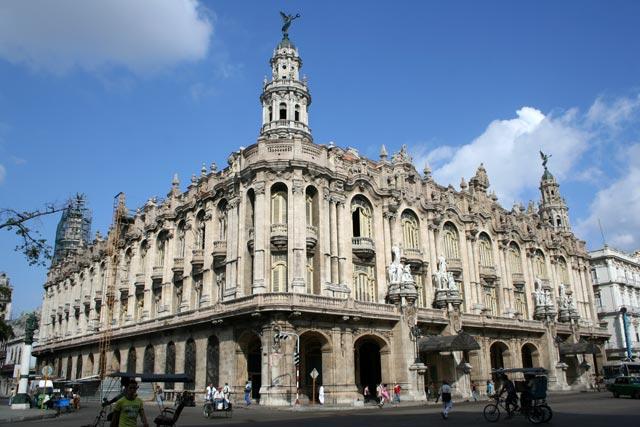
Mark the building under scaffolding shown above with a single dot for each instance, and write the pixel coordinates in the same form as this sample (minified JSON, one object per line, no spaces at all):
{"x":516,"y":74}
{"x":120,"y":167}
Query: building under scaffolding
{"x":73,"y":229}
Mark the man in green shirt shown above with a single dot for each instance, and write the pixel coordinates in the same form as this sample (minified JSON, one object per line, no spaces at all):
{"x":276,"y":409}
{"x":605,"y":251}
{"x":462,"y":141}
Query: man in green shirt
{"x":127,"y":409}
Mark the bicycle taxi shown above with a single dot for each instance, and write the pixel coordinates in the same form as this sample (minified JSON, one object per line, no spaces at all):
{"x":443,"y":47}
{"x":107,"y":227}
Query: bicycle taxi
{"x":112,"y":391}
{"x":217,"y":404}
{"x":533,"y":394}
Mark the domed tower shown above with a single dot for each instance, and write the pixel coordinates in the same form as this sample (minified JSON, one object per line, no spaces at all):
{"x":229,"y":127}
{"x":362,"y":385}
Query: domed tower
{"x":285,"y":98}
{"x":553,"y":208}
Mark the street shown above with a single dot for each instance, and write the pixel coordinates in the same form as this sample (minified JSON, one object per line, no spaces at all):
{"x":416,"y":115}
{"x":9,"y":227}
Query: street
{"x":576,"y":409}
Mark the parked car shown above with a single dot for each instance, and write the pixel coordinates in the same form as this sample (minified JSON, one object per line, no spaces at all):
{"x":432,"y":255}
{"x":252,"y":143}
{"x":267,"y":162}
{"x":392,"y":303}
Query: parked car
{"x":625,"y":386}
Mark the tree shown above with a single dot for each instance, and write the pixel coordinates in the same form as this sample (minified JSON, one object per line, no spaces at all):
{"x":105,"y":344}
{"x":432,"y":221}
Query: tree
{"x":6,"y":331}
{"x":33,"y":246}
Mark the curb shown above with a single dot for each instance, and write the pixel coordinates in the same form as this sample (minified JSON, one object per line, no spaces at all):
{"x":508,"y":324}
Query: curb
{"x":19,"y":418}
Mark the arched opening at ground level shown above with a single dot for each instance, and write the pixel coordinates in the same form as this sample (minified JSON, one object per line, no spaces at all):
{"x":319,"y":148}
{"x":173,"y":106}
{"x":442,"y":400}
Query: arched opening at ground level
{"x":530,"y":356}
{"x":314,"y":349}
{"x":249,"y":352}
{"x":370,"y":356}
{"x":499,"y":356}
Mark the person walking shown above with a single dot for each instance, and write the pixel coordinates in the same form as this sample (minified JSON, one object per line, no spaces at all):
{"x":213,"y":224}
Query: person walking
{"x":160,"y":396}
{"x":474,"y":391}
{"x":226,"y":392}
{"x":128,"y":408}
{"x":321,"y":395}
{"x":490,"y":388}
{"x":396,"y":393}
{"x":447,"y":403}
{"x":366,"y":393}
{"x":247,"y":393}
{"x":379,"y":395}
{"x":385,"y":393}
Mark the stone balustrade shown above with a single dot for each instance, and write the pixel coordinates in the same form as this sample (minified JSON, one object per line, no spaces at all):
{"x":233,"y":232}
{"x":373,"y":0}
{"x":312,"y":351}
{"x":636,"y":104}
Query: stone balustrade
{"x":197,"y":257}
{"x":157,"y":273}
{"x":312,"y":237}
{"x":220,"y":249}
{"x":363,"y":247}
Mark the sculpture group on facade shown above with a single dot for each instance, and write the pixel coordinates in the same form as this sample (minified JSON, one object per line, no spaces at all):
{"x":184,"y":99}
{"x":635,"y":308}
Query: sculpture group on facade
{"x":402,"y":287}
{"x":446,"y":288}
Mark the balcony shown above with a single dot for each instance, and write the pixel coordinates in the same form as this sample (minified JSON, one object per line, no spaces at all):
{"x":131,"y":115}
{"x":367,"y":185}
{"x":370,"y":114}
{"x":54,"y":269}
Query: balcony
{"x":412,"y":256}
{"x":157,"y":273}
{"x":517,"y":278}
{"x":488,"y":272}
{"x":139,"y":282}
{"x":124,"y":287}
{"x":219,"y":249}
{"x":312,"y":237}
{"x":197,"y":257}
{"x":67,"y":306}
{"x":363,"y":247}
{"x":76,"y":304}
{"x":178,"y":266}
{"x":250,"y":241}
{"x":279,"y":236}
{"x":86,"y":300}
{"x":454,"y":265}
{"x":98,"y":297}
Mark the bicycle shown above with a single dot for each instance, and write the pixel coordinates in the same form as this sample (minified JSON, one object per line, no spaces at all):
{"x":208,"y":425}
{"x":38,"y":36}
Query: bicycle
{"x":537,"y":412}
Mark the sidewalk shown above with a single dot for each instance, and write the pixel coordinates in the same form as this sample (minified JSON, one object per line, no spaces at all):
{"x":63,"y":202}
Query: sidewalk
{"x":8,"y":415}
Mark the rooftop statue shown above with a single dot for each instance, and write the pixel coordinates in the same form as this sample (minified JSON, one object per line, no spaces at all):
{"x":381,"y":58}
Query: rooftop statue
{"x":287,"y":19}
{"x":545,"y":159}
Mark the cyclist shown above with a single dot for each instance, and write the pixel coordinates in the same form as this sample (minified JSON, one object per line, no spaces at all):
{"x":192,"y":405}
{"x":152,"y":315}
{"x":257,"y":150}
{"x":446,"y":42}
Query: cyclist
{"x":511,"y":402}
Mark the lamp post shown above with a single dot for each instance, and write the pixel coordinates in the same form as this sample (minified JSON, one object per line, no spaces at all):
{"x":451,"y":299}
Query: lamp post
{"x":625,"y":326}
{"x":284,"y":335}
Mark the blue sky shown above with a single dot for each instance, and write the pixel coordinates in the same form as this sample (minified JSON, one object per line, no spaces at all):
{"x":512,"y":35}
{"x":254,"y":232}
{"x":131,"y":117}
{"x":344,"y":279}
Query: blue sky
{"x":118,"y":95}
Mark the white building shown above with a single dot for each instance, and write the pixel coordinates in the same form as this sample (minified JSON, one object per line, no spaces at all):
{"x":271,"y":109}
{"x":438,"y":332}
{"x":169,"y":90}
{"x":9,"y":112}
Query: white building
{"x":616,"y":281}
{"x":11,"y":356}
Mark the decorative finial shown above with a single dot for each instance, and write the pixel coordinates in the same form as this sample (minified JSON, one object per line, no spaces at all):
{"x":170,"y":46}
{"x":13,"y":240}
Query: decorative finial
{"x":175,"y":181}
{"x":203,"y":170}
{"x":383,"y":152}
{"x":426,"y":170}
{"x":194,"y":179}
{"x":287,"y":19}
{"x":214,"y":167}
{"x":463,"y":184}
{"x":545,"y":159}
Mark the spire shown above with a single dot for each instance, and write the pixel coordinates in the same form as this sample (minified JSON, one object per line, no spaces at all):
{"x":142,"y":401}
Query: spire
{"x":383,"y":153}
{"x":74,"y":229}
{"x":553,"y":209}
{"x":480,"y":181}
{"x":285,"y":98}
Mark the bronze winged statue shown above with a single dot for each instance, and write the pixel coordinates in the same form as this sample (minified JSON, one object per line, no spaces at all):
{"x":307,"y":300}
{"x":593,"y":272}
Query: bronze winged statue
{"x":545,"y":159}
{"x":287,"y":19}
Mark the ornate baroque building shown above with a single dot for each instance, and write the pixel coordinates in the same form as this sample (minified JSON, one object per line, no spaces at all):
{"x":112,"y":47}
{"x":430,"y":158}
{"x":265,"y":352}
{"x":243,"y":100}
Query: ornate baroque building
{"x":384,"y":274}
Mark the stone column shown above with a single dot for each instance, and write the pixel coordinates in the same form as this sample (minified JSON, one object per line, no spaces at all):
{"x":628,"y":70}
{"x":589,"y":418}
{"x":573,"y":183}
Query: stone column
{"x":341,"y":222}
{"x":297,"y":231}
{"x":232,"y":250}
{"x":334,"y":242}
{"x":324,"y":243}
{"x":261,"y":223}
{"x":20,"y":401}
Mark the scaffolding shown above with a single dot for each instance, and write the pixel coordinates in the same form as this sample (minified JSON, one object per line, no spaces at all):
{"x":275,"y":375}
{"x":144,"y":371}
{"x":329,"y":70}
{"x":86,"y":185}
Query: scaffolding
{"x":74,"y":229}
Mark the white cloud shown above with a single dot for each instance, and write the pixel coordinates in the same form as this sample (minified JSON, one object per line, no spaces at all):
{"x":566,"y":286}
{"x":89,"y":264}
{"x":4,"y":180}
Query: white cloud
{"x":509,"y":150}
{"x":613,"y":112}
{"x":141,"y":35}
{"x":3,"y":173}
{"x":617,"y":206}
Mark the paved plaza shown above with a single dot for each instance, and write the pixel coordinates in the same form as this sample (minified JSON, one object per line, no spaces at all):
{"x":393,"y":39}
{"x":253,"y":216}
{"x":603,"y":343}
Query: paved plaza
{"x":576,"y":410}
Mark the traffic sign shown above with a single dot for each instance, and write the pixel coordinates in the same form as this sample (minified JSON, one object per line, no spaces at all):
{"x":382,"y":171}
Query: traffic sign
{"x":47,"y":371}
{"x":314,"y":374}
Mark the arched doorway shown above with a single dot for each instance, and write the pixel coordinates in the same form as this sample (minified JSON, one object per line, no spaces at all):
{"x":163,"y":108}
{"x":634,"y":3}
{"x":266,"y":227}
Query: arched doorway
{"x":213,"y":361}
{"x":368,"y":363}
{"x":254,"y":365}
{"x":190,"y":363}
{"x":530,"y":356}
{"x":499,"y":354}
{"x":69,"y":367}
{"x":90,"y":363}
{"x":170,"y":364}
{"x":149,"y":361}
{"x":131,"y":361}
{"x":312,"y":347}
{"x":115,"y":361}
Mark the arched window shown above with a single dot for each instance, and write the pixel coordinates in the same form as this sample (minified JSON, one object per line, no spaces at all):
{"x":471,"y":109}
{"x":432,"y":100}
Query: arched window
{"x":309,"y":208}
{"x":486,"y":253}
{"x":297,"y":113}
{"x":563,"y":271}
{"x":515,"y":260}
{"x":539,"y":266}
{"x":161,"y":248}
{"x":279,"y":205}
{"x":410,"y":230}
{"x":364,"y":282}
{"x":270,"y":114}
{"x":450,"y":241}
{"x":309,"y":273}
{"x":283,"y":111}
{"x":180,"y":240}
{"x":149,"y":360}
{"x":361,"y":217}
{"x":279,"y":272}
{"x":222,"y":220}
{"x":131,"y":361}
{"x":144,"y":247}
{"x":201,"y":230}
{"x":170,"y":363}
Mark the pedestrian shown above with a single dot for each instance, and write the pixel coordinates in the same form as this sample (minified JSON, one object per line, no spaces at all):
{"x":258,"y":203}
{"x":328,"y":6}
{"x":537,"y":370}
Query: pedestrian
{"x":385,"y":393}
{"x":128,"y":408}
{"x":321,"y":395}
{"x":396,"y":393}
{"x":208,"y":395}
{"x":366,"y":393}
{"x":247,"y":393}
{"x":226,"y":391}
{"x":447,"y":404}
{"x":490,"y":388}
{"x":379,"y":395}
{"x":160,"y":396}
{"x":474,"y":391}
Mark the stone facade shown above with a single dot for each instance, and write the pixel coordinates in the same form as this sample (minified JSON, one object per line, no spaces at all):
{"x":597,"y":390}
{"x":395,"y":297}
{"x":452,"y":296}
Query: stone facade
{"x":616,"y":281}
{"x":363,"y":260}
